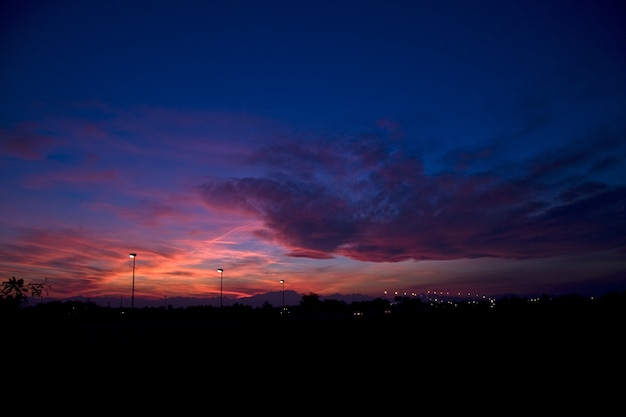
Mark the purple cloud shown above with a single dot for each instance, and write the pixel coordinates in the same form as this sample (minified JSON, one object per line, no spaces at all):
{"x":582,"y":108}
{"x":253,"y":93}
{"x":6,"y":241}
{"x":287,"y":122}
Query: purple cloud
{"x":367,"y":200}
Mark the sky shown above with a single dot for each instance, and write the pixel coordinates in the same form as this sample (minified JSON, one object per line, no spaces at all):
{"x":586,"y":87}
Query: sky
{"x":345,"y":147}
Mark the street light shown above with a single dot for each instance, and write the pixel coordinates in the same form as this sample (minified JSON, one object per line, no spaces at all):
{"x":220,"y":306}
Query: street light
{"x":221,"y":271}
{"x":132,"y":296}
{"x":282,"y":281}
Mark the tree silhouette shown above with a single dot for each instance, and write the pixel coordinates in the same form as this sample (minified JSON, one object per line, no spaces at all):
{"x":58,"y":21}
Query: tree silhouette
{"x":14,"y":292}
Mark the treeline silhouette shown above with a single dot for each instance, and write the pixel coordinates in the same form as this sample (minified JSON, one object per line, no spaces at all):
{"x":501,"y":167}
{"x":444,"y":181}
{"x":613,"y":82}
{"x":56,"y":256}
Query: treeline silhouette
{"x":511,"y":313}
{"x":311,"y":307}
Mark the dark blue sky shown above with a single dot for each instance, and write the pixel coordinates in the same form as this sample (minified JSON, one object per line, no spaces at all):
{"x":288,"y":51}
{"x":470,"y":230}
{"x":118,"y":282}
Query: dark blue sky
{"x":345,"y":146}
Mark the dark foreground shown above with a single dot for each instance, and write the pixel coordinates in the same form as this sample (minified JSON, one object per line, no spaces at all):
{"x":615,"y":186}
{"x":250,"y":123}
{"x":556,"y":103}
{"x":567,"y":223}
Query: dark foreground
{"x":516,"y":361}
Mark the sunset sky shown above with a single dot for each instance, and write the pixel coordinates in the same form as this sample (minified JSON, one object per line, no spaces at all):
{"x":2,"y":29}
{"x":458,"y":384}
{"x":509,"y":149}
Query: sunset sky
{"x":342,"y":146}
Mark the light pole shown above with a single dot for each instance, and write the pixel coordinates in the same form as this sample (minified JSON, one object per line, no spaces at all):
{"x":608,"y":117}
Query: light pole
{"x":132,"y":294}
{"x":282,"y":281}
{"x":221,"y":271}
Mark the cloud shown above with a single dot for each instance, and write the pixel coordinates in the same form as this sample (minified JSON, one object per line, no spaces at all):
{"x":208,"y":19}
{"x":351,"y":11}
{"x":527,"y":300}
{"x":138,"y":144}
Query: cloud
{"x":27,"y":141}
{"x":367,"y":199}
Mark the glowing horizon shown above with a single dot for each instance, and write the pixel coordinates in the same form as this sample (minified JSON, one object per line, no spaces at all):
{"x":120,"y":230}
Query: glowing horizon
{"x":474,"y":152}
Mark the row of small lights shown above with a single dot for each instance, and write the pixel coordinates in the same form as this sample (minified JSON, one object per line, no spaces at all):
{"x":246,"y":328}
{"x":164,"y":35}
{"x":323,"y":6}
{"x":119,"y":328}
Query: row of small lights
{"x":432,"y":297}
{"x":434,"y":293}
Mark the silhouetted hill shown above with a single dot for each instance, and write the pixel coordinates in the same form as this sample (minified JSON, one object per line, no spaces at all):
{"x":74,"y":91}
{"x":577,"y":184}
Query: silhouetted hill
{"x":274,"y":298}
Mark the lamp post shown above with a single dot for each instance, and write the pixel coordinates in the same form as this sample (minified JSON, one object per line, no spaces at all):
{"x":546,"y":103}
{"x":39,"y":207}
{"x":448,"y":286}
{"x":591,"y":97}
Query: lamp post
{"x":221,"y":271}
{"x":132,"y":294}
{"x":282,"y":281}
